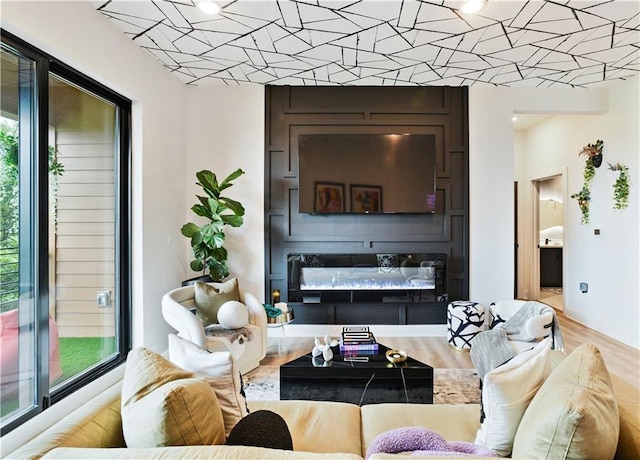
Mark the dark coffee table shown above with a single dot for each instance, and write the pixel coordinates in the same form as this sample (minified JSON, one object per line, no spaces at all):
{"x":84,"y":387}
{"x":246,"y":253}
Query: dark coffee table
{"x":357,"y":381}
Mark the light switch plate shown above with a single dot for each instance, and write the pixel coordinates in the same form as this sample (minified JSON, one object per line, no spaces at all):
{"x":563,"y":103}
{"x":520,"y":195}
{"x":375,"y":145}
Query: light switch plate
{"x":103,"y":299}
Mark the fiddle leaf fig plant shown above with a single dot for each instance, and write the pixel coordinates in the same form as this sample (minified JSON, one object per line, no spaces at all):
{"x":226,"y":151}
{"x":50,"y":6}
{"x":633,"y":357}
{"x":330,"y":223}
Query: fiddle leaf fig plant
{"x":207,"y":240}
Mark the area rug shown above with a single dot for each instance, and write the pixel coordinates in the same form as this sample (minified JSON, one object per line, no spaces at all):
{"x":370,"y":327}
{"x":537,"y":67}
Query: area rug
{"x":450,"y":386}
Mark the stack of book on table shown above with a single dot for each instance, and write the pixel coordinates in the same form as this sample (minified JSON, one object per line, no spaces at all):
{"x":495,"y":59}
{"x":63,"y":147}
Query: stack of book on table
{"x":358,"y":340}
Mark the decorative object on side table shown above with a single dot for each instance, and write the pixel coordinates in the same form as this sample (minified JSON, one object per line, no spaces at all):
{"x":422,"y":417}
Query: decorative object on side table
{"x":594,"y":160}
{"x":621,"y":186}
{"x":279,"y":314}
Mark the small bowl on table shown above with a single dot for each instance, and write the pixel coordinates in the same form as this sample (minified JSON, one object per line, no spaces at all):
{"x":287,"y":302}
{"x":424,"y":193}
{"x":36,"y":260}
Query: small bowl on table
{"x":396,"y":356}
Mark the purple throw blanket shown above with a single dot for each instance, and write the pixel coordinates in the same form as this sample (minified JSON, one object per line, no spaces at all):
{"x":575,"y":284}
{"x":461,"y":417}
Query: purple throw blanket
{"x":422,"y":441}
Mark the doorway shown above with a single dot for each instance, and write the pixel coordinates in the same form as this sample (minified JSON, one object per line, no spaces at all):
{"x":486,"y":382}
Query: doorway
{"x":550,"y":239}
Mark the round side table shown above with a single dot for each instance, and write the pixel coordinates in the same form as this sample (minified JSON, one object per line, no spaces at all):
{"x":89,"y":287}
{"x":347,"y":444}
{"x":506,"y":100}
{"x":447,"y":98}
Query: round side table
{"x":464,"y":321}
{"x":280,"y":321}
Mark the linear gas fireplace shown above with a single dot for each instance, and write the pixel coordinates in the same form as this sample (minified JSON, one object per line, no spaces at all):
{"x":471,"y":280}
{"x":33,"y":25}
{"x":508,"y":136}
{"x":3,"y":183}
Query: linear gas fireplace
{"x":350,"y":278}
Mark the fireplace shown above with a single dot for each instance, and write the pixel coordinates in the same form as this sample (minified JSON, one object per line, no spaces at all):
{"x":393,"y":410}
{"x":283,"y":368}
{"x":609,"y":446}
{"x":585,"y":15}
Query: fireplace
{"x":352,"y":278}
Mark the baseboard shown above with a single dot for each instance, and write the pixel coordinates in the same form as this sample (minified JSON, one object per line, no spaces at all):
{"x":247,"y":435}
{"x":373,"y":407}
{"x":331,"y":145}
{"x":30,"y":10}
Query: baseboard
{"x":380,"y":330}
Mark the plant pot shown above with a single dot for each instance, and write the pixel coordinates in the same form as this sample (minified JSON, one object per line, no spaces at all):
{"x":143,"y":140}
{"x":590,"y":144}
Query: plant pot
{"x":202,"y":278}
{"x":596,"y":160}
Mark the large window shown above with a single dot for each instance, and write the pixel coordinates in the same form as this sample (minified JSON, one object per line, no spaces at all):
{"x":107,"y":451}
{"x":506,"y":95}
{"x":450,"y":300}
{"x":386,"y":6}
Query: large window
{"x":64,"y":236}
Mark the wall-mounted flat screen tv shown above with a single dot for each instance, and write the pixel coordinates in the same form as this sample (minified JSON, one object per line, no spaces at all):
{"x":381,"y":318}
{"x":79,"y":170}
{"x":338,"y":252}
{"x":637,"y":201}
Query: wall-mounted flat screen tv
{"x":367,"y":173}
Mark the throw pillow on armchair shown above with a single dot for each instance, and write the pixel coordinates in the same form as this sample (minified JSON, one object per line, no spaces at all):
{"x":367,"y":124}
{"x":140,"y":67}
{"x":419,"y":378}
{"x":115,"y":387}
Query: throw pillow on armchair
{"x":209,"y":297}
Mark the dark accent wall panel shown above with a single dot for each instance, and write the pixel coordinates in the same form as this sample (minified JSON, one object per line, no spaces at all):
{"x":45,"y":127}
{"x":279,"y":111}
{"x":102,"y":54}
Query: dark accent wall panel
{"x":458,"y":161}
{"x":318,"y":99}
{"x":440,"y":111}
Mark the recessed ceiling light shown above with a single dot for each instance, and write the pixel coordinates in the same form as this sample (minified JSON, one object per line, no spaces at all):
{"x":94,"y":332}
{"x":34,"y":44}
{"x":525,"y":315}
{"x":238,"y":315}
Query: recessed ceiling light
{"x":514,"y":118}
{"x":472,"y":6}
{"x":208,"y":7}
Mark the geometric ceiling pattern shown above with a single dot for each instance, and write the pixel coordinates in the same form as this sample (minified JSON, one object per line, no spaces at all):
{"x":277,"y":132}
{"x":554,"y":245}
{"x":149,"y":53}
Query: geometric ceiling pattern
{"x":536,"y":43}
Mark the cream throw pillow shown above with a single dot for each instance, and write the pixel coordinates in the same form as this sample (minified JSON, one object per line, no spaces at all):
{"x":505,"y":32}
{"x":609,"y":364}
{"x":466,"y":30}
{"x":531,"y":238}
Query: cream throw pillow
{"x":506,"y":393}
{"x":574,"y":414}
{"x":164,"y":405}
{"x":220,"y":371}
{"x":210,"y":297}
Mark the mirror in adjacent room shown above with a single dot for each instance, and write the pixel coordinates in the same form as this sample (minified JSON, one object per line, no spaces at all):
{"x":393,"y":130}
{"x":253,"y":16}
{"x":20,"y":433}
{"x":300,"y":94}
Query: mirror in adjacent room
{"x":551,"y":240}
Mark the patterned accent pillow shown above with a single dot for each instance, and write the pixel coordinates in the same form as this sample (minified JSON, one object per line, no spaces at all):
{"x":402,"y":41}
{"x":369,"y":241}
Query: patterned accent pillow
{"x":494,"y":317}
{"x":387,"y":262}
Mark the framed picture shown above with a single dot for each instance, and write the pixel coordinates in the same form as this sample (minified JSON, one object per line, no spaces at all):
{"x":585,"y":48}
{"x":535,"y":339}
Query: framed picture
{"x":329,"y":198}
{"x":366,"y":198}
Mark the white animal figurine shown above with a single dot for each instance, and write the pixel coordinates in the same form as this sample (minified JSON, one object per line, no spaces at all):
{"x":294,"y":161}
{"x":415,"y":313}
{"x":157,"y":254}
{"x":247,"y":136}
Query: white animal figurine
{"x":324,"y":349}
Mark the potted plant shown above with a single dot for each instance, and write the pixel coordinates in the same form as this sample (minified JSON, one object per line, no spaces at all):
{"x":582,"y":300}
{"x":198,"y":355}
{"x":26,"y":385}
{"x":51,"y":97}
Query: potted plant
{"x":583,"y":197}
{"x":621,"y":186}
{"x":207,"y":240}
{"x":593,"y":152}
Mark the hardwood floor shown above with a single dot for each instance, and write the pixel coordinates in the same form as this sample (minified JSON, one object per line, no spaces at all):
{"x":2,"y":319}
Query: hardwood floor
{"x":622,"y":360}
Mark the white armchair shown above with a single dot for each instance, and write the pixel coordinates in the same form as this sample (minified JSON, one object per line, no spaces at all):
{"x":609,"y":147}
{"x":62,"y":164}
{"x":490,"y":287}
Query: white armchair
{"x":178,"y":307}
{"x":537,"y":327}
{"x":513,"y":326}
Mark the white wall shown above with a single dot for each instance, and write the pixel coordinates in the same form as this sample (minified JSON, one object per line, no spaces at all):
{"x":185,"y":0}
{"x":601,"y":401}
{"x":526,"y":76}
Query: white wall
{"x":609,"y":263}
{"x":74,"y":33}
{"x":225,"y":128}
{"x":491,"y":175}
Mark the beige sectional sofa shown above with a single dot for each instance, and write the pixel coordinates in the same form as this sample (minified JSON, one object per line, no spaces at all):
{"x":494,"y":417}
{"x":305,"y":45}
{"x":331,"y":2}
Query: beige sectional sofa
{"x":318,"y":429}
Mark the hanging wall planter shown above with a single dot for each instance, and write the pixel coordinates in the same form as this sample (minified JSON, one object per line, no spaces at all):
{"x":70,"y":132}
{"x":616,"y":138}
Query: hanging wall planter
{"x":621,"y":186}
{"x":593,"y":152}
{"x":594,"y":159}
{"x":583,"y":197}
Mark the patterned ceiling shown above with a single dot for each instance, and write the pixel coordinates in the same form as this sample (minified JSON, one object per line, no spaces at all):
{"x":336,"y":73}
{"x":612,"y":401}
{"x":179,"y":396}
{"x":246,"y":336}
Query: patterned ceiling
{"x":535,"y":43}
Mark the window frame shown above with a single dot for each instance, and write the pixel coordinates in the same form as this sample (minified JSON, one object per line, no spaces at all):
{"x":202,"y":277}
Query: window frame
{"x":45,"y":65}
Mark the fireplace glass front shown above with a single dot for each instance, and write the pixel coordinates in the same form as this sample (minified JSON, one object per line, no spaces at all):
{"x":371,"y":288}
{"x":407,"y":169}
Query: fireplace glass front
{"x":315,"y":278}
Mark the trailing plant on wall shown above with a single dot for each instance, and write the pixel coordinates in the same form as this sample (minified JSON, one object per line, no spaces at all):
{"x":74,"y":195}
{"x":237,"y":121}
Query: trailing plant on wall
{"x":584,"y":195}
{"x":621,"y":186}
